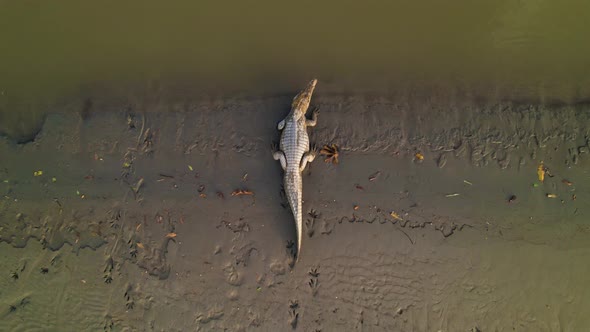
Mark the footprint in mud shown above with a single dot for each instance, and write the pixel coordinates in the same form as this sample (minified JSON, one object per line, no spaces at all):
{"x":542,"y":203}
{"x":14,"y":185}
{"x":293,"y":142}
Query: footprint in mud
{"x":327,"y":228}
{"x":129,"y":301}
{"x":15,"y":306}
{"x":314,"y":282}
{"x":293,"y":313}
{"x":114,"y":218}
{"x":15,"y":274}
{"x":291,"y":250}
{"x":132,"y":242}
{"x":108,"y":325}
{"x":314,"y":285}
{"x":108,"y":270}
{"x":232,"y":277}
{"x":310,"y":223}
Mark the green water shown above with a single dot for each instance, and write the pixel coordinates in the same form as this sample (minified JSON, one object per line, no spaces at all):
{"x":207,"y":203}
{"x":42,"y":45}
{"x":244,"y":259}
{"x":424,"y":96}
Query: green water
{"x":530,"y":49}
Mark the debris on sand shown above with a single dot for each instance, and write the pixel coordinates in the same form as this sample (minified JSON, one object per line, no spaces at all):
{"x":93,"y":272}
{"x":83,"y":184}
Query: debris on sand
{"x":511,"y":199}
{"x":374,"y":176}
{"x":331,"y":152}
{"x":137,"y":186}
{"x":395,"y":216}
{"x":541,"y":170}
{"x":240,"y":192}
{"x":567,"y":182}
{"x":418,"y":157}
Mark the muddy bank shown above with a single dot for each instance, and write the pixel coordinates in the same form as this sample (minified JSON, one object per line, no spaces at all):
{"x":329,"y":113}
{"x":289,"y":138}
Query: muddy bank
{"x":132,"y":220}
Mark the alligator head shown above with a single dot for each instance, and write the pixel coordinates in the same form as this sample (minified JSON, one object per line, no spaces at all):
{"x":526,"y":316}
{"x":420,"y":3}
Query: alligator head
{"x":301,"y":101}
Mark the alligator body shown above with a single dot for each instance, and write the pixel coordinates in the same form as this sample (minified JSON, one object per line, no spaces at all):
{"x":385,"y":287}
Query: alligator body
{"x":295,"y":153}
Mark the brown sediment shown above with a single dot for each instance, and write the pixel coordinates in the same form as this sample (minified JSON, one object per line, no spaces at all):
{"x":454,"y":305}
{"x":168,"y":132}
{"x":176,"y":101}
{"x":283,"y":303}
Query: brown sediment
{"x":136,"y":250}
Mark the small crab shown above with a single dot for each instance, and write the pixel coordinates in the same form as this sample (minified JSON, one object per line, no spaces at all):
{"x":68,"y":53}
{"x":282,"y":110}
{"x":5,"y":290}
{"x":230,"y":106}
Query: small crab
{"x":331,"y":153}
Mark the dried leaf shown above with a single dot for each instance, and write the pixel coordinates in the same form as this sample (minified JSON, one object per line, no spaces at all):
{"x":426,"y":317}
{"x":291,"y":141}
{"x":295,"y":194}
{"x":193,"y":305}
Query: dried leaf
{"x":419,"y":156}
{"x":140,"y":245}
{"x":239,"y":192}
{"x":551,"y":196}
{"x":541,"y":170}
{"x":396,"y":216}
{"x":567,"y":182}
{"x":171,"y":235}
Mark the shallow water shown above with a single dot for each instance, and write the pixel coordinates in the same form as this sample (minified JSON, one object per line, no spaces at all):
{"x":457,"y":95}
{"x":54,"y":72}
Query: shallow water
{"x":524,"y":49}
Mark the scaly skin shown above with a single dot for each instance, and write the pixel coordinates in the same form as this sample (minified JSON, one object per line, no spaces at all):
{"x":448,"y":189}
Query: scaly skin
{"x":294,"y":153}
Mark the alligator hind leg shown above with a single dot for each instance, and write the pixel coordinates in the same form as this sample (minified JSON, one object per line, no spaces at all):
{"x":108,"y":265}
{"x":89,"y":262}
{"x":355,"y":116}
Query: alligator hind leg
{"x":279,"y":155}
{"x":308,"y":157}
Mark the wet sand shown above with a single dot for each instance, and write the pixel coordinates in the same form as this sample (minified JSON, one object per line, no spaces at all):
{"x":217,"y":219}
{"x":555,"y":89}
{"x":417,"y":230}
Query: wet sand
{"x":132,"y":225}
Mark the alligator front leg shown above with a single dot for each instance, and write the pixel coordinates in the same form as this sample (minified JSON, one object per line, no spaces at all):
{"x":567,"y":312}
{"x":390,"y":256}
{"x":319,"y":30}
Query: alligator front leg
{"x":308,"y":157}
{"x":281,"y":125}
{"x":314,"y":118}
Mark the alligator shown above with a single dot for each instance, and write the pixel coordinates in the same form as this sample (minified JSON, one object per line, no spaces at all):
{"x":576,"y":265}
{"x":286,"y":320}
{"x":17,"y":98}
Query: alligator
{"x":294,"y":152}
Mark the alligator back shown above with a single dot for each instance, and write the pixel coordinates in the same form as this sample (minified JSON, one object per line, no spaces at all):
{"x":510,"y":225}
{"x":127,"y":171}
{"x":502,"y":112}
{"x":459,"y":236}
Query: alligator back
{"x":294,"y":143}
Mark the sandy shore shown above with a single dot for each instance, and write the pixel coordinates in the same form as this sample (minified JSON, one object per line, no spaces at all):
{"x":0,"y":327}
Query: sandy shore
{"x":132,"y":226}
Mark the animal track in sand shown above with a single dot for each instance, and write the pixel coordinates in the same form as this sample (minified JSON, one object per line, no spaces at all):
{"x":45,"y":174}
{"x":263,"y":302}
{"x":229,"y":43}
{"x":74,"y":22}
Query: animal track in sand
{"x":293,"y":313}
{"x":129,"y":300}
{"x":310,"y":223}
{"x":314,"y":283}
{"x":108,"y":276}
{"x":291,"y":249}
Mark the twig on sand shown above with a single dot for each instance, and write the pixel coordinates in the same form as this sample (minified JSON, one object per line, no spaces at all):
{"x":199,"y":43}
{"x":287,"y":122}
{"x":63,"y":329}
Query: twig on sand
{"x":142,"y":128}
{"x":240,"y":192}
{"x":406,"y":234}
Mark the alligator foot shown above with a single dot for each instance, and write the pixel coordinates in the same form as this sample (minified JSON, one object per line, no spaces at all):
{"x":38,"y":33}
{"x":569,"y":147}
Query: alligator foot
{"x":314,"y":118}
{"x":308,"y":157}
